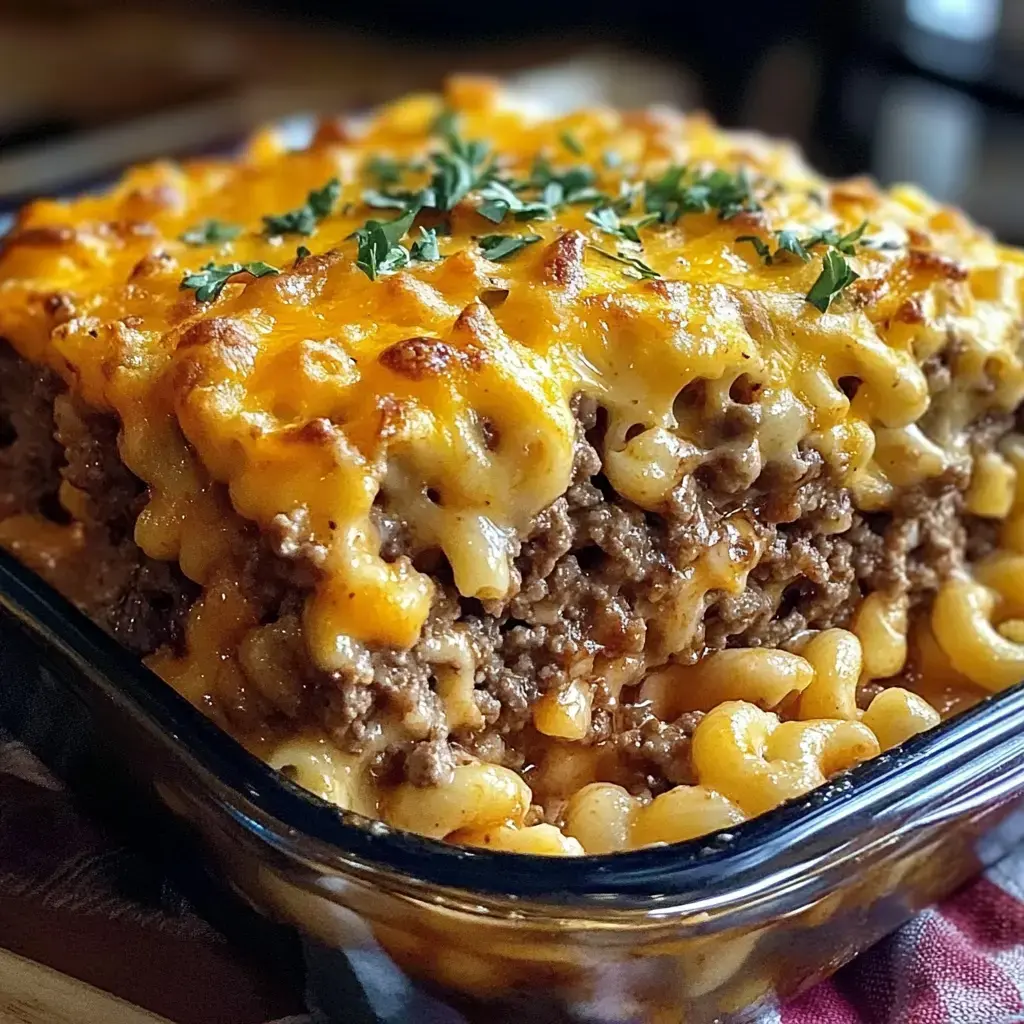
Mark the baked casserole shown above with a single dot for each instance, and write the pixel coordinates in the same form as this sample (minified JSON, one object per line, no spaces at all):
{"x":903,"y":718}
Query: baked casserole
{"x":558,"y":485}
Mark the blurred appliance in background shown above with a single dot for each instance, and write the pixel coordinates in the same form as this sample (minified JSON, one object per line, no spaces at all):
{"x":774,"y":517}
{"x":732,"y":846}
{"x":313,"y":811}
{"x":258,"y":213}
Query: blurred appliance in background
{"x":924,"y":90}
{"x":935,"y":95}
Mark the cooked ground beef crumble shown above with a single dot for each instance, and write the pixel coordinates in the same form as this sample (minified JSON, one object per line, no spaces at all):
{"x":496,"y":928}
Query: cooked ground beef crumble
{"x":590,"y":565}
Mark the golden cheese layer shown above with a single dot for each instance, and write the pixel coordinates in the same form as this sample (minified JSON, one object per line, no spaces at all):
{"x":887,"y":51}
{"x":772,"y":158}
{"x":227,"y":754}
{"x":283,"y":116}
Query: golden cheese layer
{"x":444,"y":386}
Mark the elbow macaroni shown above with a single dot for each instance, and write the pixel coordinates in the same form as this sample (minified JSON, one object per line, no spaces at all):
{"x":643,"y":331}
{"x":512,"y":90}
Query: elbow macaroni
{"x":751,"y":758}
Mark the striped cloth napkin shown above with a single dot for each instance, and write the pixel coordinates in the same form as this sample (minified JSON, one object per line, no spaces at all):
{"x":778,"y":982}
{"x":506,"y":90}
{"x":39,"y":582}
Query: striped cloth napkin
{"x":959,"y":963}
{"x":75,"y":900}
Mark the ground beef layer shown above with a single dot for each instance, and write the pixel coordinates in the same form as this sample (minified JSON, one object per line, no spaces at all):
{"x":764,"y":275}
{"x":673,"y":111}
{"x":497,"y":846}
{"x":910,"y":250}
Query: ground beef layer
{"x":590,"y":579}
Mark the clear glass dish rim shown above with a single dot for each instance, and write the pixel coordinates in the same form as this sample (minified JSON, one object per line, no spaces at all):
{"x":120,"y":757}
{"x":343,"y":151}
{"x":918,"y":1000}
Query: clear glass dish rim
{"x":827,"y":820}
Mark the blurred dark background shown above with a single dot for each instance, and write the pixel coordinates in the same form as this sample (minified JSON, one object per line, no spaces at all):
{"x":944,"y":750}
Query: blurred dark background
{"x":923,"y":90}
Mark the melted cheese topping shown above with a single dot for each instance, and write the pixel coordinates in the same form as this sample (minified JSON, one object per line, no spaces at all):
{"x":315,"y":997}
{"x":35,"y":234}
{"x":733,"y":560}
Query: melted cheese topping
{"x":313,"y":392}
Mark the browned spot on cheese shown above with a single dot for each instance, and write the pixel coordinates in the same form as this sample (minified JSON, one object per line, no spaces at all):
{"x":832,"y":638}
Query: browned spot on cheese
{"x":911,"y":311}
{"x":867,"y":290}
{"x":928,"y":262}
{"x":143,"y":203}
{"x":855,"y":191}
{"x":319,"y":431}
{"x":223,"y":341}
{"x":41,"y":237}
{"x":59,"y":306}
{"x":563,"y":261}
{"x":419,"y":358}
{"x":473,"y":330}
{"x":333,"y":130}
{"x":673,"y":291}
{"x":127,"y":229}
{"x":153,"y":264}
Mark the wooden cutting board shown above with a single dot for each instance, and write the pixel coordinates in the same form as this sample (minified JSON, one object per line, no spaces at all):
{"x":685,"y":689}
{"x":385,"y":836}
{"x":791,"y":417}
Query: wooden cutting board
{"x":33,"y":994}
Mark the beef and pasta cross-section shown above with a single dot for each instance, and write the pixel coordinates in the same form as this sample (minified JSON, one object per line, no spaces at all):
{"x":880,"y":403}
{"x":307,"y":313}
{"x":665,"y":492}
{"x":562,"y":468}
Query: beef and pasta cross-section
{"x":556,"y":485}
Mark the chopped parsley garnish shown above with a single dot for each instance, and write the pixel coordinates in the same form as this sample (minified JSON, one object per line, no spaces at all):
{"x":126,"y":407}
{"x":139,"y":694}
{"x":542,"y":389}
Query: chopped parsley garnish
{"x":303,"y":221}
{"x":764,"y":250}
{"x":499,"y":200}
{"x":633,"y":267}
{"x":321,"y":200}
{"x":501,"y":247}
{"x":445,"y":124}
{"x":208,"y":282}
{"x":679,"y":191}
{"x":211,"y":232}
{"x":379,"y":248}
{"x":836,"y":274}
{"x":302,"y":252}
{"x":880,"y":243}
{"x":571,"y":143}
{"x":789,"y":242}
{"x":426,"y":249}
{"x":844,"y":243}
{"x":458,"y":172}
{"x":608,"y":221}
{"x":387,"y":200}
{"x":576,"y":185}
{"x":385,"y":169}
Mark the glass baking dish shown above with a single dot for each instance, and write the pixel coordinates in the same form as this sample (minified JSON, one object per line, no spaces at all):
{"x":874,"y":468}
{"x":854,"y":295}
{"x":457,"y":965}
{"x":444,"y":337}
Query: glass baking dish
{"x":714,"y":929}
{"x":403,"y":929}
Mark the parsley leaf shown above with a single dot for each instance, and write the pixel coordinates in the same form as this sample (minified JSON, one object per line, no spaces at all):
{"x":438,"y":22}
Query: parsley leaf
{"x":302,"y":252}
{"x":385,"y":169}
{"x":844,"y":243}
{"x":880,"y":243}
{"x":303,"y":221}
{"x":445,"y":124}
{"x":788,"y":242}
{"x":500,"y":247}
{"x":208,"y":282}
{"x":452,"y":181}
{"x":426,"y":249}
{"x":294,"y":222}
{"x":633,"y":267}
{"x":576,"y":185}
{"x":500,"y":200}
{"x":679,"y":191}
{"x":764,"y":251}
{"x":662,"y":196}
{"x":321,"y":200}
{"x":571,"y":143}
{"x":458,"y":171}
{"x":379,"y":248}
{"x":630,"y":231}
{"x":836,"y":274}
{"x":606,"y":218}
{"x":386,"y":200}
{"x":211,"y":232}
